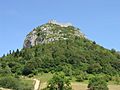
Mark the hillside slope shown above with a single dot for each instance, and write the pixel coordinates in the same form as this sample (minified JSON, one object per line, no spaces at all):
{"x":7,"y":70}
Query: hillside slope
{"x":54,"y":47}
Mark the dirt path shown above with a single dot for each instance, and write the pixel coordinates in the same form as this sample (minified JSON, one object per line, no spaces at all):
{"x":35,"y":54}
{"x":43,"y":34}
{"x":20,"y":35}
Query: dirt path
{"x":37,"y":84}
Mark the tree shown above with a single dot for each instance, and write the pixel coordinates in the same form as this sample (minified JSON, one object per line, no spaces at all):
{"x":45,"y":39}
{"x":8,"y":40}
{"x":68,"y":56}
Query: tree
{"x":113,"y":50}
{"x":10,"y":52}
{"x":94,"y":42}
{"x":26,"y":71}
{"x":94,"y":68}
{"x":59,"y":82}
{"x":97,"y":83}
{"x":17,"y":53}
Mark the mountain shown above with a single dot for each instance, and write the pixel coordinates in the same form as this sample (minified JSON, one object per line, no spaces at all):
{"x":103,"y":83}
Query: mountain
{"x":52,"y":31}
{"x":54,"y":47}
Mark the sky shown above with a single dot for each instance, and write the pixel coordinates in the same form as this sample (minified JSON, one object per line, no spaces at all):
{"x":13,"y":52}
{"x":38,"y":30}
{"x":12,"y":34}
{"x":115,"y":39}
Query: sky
{"x":99,"y":20}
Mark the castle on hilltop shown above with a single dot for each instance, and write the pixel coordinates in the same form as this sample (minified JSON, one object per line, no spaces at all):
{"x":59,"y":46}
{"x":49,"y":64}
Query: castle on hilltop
{"x":61,"y":24}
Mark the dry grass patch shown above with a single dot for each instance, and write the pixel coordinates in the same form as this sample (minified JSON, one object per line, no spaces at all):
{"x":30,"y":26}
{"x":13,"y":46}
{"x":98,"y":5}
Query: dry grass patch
{"x":82,"y":86}
{"x":79,"y":86}
{"x":114,"y":87}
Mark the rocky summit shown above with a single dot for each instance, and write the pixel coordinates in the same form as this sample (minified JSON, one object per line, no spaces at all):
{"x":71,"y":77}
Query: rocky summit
{"x":50,"y":32}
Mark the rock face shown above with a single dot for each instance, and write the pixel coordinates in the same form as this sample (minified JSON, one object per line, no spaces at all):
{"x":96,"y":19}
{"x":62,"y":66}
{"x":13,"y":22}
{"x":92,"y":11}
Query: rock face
{"x":51,"y":31}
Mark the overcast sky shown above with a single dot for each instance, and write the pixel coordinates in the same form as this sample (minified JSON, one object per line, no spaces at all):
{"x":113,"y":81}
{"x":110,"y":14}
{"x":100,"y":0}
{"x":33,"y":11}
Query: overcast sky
{"x":99,"y":20}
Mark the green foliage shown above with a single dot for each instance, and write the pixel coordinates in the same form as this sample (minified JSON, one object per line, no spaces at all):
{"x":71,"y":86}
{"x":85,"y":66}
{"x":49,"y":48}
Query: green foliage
{"x":26,"y":71}
{"x":67,"y":69}
{"x":81,"y":77}
{"x":116,"y":79}
{"x":71,"y":56}
{"x":9,"y":82}
{"x":94,"y":68}
{"x":97,"y":83}
{"x":59,"y":82}
{"x":14,"y":83}
{"x":107,"y":78}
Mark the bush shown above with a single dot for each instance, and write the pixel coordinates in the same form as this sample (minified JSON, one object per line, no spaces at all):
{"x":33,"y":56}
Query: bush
{"x":107,"y":78}
{"x":80,"y":78}
{"x":25,"y":86}
{"x":16,"y":76}
{"x":14,"y":83}
{"x":26,"y":71}
{"x":30,"y":75}
{"x":97,"y":83}
{"x":9,"y":82}
{"x":59,"y":82}
{"x":116,"y":80}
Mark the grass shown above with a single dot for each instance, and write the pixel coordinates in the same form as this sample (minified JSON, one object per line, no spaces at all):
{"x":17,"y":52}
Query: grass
{"x":83,"y":86}
{"x":45,"y":77}
{"x":79,"y":86}
{"x":27,"y":81}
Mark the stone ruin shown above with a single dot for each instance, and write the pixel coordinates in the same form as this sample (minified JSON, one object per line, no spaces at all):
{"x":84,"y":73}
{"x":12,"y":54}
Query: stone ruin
{"x":61,"y":24}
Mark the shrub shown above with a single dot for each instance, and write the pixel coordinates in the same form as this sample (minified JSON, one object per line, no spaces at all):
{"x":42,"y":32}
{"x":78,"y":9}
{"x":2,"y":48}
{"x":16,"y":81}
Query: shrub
{"x":107,"y":78}
{"x":25,"y":86}
{"x":80,"y":78}
{"x":30,"y":75}
{"x":97,"y":83}
{"x":26,"y":71}
{"x":14,"y":84}
{"x":9,"y":82}
{"x":59,"y":82}
{"x":116,"y":79}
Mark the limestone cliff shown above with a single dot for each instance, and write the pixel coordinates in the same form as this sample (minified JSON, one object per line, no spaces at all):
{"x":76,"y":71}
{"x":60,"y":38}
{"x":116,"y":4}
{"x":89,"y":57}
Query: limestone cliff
{"x":50,"y":32}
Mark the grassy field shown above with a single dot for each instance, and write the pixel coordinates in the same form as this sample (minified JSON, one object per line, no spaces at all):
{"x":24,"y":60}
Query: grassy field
{"x":75,"y":85}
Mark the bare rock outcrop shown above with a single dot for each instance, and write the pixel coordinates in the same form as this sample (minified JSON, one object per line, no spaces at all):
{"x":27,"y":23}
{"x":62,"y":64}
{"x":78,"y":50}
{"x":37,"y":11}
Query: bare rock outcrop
{"x":51,"y":31}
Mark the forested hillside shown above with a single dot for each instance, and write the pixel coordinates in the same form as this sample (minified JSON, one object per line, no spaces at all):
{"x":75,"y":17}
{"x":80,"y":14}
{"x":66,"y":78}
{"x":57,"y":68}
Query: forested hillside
{"x":69,"y":52}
